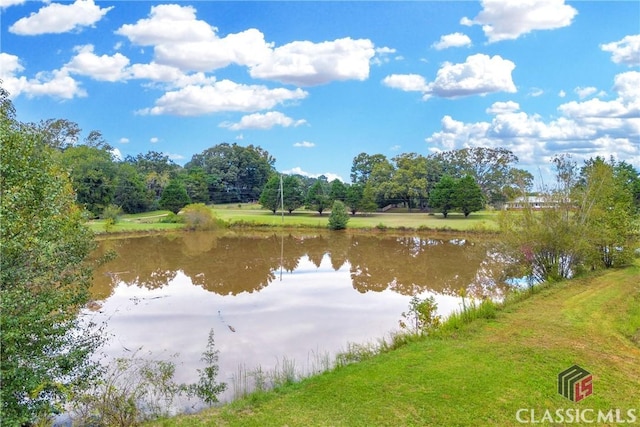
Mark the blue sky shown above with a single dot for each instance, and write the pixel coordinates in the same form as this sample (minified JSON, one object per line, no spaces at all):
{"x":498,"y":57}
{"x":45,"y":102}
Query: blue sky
{"x":316,"y":83}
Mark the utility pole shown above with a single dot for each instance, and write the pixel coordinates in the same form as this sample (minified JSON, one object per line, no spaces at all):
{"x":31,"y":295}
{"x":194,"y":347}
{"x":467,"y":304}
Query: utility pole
{"x":281,"y":199}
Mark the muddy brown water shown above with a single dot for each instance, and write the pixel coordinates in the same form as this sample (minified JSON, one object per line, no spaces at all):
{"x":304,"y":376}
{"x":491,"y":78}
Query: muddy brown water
{"x":275,"y":298}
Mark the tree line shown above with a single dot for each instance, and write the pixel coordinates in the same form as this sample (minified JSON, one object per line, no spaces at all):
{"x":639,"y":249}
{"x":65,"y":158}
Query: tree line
{"x":463,"y":180}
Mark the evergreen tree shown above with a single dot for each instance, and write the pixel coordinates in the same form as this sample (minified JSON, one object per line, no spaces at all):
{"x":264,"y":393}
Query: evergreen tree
{"x":443,"y":196}
{"x":317,"y":199}
{"x":339,"y":217}
{"x":293,"y":193}
{"x":468,"y":196}
{"x":355,"y":194}
{"x":270,"y":196}
{"x":174,"y":196}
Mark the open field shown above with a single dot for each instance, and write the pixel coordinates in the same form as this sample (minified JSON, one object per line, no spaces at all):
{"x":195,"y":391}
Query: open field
{"x":481,"y":221}
{"x":252,"y":215}
{"x":132,"y":223}
{"x":481,"y":374}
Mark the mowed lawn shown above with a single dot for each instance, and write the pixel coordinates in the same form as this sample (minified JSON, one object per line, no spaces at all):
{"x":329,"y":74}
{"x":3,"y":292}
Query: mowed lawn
{"x":252,"y":215}
{"x":397,"y":218}
{"x":482,"y":374}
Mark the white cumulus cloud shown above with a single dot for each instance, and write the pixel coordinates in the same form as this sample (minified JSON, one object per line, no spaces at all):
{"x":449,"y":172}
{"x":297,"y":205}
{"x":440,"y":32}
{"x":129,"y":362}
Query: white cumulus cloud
{"x":56,"y":18}
{"x":508,"y":19}
{"x":104,"y":67}
{"x":181,"y":40}
{"x":7,"y":3}
{"x":223,"y":95}
{"x":625,"y":51}
{"x":263,"y":121}
{"x":406,"y":82}
{"x":478,"y":75}
{"x":57,"y":83}
{"x":304,"y":144}
{"x":585,"y":129}
{"x":307,"y":64}
{"x":452,"y":40}
{"x":584,"y":92}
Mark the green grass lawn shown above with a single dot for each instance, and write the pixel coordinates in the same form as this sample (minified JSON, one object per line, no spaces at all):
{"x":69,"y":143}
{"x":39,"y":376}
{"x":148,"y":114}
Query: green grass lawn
{"x":133,"y":223}
{"x":252,"y":215}
{"x":481,"y":374}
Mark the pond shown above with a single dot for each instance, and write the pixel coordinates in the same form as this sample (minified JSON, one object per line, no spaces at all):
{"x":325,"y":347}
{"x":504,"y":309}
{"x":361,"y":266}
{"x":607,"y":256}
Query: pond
{"x":275,"y":299}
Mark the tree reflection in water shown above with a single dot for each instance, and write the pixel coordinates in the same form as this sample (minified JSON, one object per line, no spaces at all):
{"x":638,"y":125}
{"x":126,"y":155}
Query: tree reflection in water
{"x":164,"y":293}
{"x":230,"y":264}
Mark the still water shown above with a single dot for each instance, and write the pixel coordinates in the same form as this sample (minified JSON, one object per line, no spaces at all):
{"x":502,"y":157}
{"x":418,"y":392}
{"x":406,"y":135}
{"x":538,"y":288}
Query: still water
{"x":275,"y":298}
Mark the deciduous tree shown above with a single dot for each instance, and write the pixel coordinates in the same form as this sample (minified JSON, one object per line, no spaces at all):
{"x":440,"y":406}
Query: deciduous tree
{"x":45,"y":353}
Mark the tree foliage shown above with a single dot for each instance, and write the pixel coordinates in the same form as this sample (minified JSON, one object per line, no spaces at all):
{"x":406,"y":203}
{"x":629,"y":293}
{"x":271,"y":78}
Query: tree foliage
{"x":174,"y":197}
{"x":270,"y":197}
{"x":443,"y":195}
{"x":240,"y":172}
{"x":490,"y":167}
{"x":293,"y":193}
{"x":44,"y":353}
{"x":468,"y":196}
{"x":339,"y":217}
{"x":587,"y":223}
{"x":93,"y":174}
{"x":318,"y":196}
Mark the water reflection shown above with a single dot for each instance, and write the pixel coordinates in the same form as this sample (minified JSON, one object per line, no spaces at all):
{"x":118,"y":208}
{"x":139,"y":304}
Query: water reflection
{"x":269,"y":296}
{"x":230,"y":264}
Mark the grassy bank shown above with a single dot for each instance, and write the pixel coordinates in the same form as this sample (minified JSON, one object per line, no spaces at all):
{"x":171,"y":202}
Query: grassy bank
{"x":480,"y":374}
{"x":251,"y":215}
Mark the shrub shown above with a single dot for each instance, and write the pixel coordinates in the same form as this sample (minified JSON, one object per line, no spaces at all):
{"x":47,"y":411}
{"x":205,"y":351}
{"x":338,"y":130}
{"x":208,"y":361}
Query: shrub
{"x":339,"y":216}
{"x":421,"y":317}
{"x":197,"y":216}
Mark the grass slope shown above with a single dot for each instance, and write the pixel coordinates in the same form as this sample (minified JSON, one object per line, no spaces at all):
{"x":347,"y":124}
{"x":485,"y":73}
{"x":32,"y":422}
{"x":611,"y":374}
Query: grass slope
{"x":479,"y":375}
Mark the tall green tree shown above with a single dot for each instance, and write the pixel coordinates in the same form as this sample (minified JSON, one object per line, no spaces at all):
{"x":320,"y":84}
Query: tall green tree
{"x":318,"y":197}
{"x":409,"y":180}
{"x":197,"y":185}
{"x":368,"y":202}
{"x":155,"y":168}
{"x":45,"y":353}
{"x":362,"y":166}
{"x":338,"y":190}
{"x":355,"y":193}
{"x":131,"y":193}
{"x":468,"y":196}
{"x":240,"y":171}
{"x":488,"y":166}
{"x":270,"y":197}
{"x":293,"y":193}
{"x":93,"y":175}
{"x":443,"y":196}
{"x":174,"y":197}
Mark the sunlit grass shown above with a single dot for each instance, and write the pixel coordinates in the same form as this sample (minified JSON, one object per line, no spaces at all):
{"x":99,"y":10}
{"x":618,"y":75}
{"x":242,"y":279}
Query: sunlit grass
{"x":253,"y":215}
